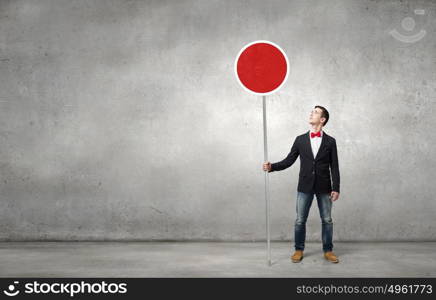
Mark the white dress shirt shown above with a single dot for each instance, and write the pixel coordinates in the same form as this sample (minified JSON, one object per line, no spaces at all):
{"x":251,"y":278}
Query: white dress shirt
{"x":315,"y":142}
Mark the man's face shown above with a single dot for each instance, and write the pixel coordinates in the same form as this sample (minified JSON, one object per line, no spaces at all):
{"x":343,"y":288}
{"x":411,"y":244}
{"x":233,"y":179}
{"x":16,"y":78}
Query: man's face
{"x":315,"y":116}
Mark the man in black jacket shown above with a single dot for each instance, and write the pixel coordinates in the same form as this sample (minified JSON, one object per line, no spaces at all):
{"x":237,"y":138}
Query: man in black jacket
{"x":318,"y":157}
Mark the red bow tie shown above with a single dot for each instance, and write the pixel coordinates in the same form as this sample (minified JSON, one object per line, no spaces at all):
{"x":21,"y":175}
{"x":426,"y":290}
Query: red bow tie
{"x":313,"y":134}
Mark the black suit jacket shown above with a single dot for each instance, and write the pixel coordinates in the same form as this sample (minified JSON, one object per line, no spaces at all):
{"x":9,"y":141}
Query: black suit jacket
{"x":314,"y":174}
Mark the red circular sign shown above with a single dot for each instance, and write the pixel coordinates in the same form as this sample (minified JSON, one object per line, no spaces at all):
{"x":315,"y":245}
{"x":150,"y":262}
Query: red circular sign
{"x":261,"y":67}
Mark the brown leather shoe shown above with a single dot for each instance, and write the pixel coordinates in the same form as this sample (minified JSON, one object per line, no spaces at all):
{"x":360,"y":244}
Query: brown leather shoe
{"x":297,"y":256}
{"x":331,"y":257}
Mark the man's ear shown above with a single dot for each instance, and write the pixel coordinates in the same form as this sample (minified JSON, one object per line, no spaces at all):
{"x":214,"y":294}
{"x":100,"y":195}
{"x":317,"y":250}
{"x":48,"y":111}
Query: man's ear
{"x":321,"y":119}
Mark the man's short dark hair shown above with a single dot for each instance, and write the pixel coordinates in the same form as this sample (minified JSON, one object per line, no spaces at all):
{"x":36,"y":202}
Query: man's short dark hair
{"x":325,"y":114}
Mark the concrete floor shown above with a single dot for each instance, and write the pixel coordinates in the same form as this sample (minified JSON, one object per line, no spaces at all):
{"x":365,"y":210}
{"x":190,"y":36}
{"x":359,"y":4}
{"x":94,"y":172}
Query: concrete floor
{"x":212,"y":259}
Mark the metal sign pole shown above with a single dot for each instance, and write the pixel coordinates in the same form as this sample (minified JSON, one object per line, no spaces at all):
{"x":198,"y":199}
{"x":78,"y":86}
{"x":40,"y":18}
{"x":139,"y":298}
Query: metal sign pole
{"x":265,"y":157}
{"x":262,"y":67}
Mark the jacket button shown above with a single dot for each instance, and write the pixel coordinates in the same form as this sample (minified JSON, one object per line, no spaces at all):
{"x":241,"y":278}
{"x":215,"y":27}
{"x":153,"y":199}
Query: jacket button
{"x":313,"y":172}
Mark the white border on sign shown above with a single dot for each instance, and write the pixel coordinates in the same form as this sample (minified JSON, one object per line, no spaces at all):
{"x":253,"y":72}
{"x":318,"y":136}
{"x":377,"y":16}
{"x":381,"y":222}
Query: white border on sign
{"x":236,"y":67}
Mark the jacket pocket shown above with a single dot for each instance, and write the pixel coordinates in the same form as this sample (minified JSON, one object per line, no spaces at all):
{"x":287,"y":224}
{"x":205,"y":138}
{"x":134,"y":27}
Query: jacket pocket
{"x":325,"y":175}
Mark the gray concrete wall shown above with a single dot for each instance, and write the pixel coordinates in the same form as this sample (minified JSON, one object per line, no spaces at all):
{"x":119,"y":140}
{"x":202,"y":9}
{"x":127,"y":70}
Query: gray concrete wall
{"x":124,"y":120}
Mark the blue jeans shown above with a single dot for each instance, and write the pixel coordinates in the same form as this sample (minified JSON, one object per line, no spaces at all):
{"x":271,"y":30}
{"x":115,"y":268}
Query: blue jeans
{"x":304,"y":201}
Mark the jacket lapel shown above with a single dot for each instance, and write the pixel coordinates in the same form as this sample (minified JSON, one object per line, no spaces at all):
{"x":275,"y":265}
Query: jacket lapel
{"x":307,"y":143}
{"x":323,"y":142}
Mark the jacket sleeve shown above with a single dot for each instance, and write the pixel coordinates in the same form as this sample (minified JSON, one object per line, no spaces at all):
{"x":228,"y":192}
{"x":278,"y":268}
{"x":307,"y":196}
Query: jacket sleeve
{"x":334,"y":167}
{"x":288,"y":161}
